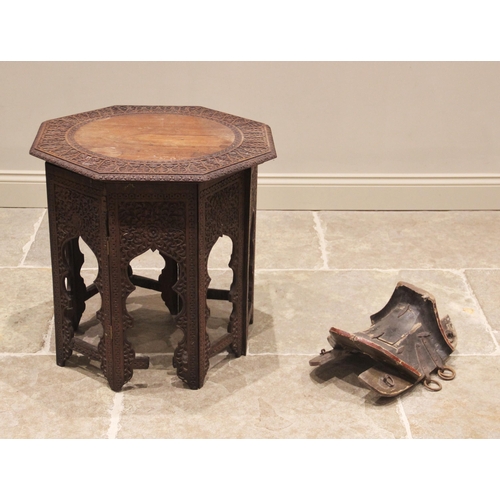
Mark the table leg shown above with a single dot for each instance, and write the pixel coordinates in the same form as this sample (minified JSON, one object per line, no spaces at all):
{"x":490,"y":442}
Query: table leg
{"x":191,"y":354}
{"x":116,"y":352}
{"x":224,"y":211}
{"x":60,"y":230}
{"x":63,"y":307}
{"x":251,"y":240}
{"x":238,"y":295}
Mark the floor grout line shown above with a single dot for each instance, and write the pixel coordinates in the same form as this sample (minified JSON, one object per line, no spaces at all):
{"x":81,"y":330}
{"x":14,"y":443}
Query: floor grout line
{"x":45,"y":352}
{"x":473,"y":354}
{"x":249,"y":354}
{"x":322,"y":240}
{"x":25,"y":267}
{"x":24,"y":354}
{"x":403,"y":418}
{"x":46,"y":339}
{"x":377,"y":269}
{"x":115,"y":413}
{"x":297,"y":269}
{"x":27,"y":247}
{"x":482,"y":316}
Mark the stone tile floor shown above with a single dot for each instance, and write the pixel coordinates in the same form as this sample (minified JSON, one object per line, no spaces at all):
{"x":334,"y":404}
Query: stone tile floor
{"x":314,"y":270}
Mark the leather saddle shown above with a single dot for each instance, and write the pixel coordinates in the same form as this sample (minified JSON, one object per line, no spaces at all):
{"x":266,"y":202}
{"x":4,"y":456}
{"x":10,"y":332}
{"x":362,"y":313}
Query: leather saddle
{"x":407,"y":340}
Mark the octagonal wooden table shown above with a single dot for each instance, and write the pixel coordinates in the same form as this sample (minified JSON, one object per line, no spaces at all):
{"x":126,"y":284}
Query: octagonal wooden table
{"x":127,"y":179}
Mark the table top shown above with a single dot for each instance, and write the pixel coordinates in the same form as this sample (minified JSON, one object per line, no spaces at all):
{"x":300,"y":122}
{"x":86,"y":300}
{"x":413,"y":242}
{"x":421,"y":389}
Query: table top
{"x":145,"y":143}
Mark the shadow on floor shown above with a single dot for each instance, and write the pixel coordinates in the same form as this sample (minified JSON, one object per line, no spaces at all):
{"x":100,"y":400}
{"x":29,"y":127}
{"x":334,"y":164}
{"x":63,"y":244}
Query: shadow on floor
{"x":347,"y":368}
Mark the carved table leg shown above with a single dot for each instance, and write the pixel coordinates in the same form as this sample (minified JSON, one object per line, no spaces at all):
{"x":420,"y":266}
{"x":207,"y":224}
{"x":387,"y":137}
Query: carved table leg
{"x":191,"y":355}
{"x":238,"y":296}
{"x":60,"y":271}
{"x":240,"y":264}
{"x":64,"y":313}
{"x":117,"y":355}
{"x":224,"y":211}
{"x":251,"y":271}
{"x":251,"y":242}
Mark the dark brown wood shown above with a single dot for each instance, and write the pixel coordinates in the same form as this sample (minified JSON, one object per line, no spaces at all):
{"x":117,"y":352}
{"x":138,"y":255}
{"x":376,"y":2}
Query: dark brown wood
{"x":144,"y":282}
{"x":151,"y":144}
{"x":91,"y":291}
{"x":216,"y":294}
{"x":250,"y":244}
{"x":128,"y":179}
{"x":75,"y":284}
{"x":91,"y":351}
{"x":166,"y":281}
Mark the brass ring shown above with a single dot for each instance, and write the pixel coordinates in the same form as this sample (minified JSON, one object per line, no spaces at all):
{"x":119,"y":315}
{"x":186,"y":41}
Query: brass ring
{"x":428,"y":384}
{"x":446,"y":373}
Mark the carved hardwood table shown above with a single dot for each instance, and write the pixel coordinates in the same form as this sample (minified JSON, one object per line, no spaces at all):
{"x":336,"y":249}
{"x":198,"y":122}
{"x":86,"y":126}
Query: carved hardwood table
{"x":127,"y":179}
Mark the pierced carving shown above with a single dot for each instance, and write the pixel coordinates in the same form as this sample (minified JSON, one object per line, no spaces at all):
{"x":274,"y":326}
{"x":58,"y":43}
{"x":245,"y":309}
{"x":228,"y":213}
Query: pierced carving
{"x":148,"y":225}
{"x":73,"y":214}
{"x":181,"y":212}
{"x":224,"y":216}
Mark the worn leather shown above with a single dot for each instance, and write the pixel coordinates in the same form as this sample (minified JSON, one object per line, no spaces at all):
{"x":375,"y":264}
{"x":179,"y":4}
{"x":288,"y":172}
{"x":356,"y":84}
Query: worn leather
{"x":407,"y":340}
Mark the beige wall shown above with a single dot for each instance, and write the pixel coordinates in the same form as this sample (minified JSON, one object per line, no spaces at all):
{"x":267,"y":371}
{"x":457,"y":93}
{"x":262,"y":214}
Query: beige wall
{"x":336,"y":125}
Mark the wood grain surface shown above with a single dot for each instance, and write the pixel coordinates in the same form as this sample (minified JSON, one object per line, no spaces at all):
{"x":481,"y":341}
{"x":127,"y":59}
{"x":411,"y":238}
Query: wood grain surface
{"x":154,"y":137}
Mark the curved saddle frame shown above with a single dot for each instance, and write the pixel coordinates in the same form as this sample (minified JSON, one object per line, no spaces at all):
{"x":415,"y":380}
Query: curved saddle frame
{"x":407,"y":339}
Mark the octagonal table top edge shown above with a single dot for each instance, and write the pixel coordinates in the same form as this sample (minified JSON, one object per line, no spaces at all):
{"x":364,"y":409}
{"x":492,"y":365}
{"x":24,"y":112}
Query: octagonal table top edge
{"x":252,"y":145}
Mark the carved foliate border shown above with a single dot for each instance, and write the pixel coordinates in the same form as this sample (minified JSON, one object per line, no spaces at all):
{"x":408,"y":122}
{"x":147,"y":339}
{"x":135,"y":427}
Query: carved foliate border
{"x":253,"y":144}
{"x":184,"y":222}
{"x":164,"y":220}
